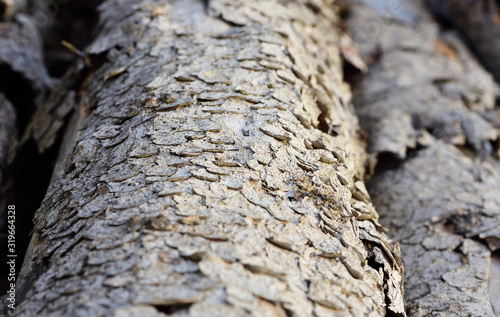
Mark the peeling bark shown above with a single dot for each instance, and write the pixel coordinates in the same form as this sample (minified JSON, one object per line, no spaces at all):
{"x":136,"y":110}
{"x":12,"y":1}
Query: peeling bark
{"x":199,"y":180}
{"x":426,"y":103}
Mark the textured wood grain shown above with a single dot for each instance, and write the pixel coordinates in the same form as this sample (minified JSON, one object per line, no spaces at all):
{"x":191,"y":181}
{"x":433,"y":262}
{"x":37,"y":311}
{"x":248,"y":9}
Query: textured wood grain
{"x":199,"y":181}
{"x":427,"y":104}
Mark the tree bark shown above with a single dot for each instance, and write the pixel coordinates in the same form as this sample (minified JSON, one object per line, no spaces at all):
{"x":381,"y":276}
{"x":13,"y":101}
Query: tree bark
{"x":426,"y":106}
{"x":200,"y":180}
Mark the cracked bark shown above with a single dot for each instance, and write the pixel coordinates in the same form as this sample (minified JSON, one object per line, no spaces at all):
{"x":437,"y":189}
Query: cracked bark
{"x":428,"y":104}
{"x":197,"y":180}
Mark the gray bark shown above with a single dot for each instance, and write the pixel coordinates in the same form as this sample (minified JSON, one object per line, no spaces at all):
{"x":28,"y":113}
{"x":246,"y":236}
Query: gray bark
{"x":428,"y":104}
{"x":197,"y":180}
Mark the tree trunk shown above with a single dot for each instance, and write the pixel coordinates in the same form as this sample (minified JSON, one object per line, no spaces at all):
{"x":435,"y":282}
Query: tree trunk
{"x":200,"y":179}
{"x":427,"y":106}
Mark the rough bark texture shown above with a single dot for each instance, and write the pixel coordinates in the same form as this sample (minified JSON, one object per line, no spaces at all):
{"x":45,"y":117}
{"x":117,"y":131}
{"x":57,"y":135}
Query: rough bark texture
{"x":199,"y":181}
{"x":426,"y":105}
{"x":479,"y":20}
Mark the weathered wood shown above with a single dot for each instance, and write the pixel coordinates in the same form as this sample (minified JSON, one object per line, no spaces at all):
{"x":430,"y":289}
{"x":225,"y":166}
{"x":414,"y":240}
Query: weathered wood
{"x":426,"y":103}
{"x":198,"y":182}
{"x":479,"y":21}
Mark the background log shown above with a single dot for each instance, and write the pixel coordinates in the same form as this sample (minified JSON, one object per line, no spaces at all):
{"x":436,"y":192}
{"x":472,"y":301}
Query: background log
{"x":426,"y":106}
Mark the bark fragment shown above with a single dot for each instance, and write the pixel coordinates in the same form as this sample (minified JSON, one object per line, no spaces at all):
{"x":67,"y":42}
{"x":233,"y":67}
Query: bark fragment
{"x":198,"y":182}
